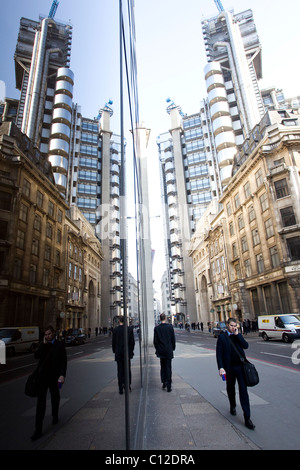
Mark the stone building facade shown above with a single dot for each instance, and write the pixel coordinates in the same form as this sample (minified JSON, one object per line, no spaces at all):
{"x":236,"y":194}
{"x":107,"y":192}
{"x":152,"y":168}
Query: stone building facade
{"x":50,"y":258}
{"x":251,"y":248}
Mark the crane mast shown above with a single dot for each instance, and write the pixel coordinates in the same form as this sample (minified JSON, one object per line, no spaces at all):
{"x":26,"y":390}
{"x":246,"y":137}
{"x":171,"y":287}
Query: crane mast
{"x":219,"y":5}
{"x":53,"y":9}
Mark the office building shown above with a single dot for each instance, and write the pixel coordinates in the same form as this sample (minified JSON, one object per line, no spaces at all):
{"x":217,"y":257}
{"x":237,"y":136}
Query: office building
{"x":83,"y":152}
{"x":198,"y":154}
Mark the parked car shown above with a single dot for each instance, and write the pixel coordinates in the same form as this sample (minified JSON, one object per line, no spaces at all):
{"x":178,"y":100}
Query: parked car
{"x":75,"y":336}
{"x":219,"y":326}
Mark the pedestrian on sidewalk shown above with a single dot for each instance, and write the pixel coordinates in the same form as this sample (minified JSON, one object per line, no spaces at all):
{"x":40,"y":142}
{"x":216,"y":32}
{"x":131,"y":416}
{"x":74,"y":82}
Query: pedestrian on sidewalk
{"x":229,"y":363}
{"x":165,"y":343}
{"x":119,"y":351}
{"x":53,"y":364}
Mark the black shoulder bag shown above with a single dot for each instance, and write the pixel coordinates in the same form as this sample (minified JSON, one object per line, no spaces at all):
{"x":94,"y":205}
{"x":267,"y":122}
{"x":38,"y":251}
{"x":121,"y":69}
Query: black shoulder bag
{"x":249,"y":369}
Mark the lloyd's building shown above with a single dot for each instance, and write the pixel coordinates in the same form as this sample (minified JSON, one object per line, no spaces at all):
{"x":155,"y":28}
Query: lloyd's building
{"x":197,"y":154}
{"x":84,"y":153}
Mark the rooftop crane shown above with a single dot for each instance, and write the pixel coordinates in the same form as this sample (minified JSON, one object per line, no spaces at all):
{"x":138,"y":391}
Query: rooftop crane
{"x":53,"y":9}
{"x":219,"y":5}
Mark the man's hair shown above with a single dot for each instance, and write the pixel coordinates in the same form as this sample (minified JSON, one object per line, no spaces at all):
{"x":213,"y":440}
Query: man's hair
{"x":162,"y":316}
{"x":121,"y":319}
{"x":50,"y":328}
{"x":230,"y":320}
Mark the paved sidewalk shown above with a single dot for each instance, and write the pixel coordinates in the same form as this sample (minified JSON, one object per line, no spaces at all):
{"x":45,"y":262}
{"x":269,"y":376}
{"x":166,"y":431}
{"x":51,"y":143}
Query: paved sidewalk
{"x":179,"y":420}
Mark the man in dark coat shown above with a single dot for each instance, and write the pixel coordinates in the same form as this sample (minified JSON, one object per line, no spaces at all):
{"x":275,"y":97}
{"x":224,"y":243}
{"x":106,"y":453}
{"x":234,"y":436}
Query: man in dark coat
{"x":229,"y":363}
{"x":119,"y":351}
{"x":53,"y":363}
{"x":165,"y":343}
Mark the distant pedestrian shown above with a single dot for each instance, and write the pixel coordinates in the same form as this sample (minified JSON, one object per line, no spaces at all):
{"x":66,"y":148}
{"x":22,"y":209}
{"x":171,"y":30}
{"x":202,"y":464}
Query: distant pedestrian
{"x":165,"y":343}
{"x":53,"y":364}
{"x":119,"y":351}
{"x":229,"y":363}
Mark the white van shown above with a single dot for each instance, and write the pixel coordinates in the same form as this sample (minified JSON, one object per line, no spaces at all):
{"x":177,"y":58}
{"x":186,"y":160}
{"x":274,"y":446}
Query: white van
{"x":285,"y":327}
{"x":19,"y":339}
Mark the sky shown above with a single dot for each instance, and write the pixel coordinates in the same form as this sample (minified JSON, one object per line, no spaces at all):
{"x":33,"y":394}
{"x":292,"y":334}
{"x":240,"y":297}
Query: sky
{"x":170,"y":61}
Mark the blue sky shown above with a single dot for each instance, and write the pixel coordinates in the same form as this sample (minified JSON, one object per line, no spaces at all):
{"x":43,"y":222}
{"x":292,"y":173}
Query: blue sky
{"x":170,"y":54}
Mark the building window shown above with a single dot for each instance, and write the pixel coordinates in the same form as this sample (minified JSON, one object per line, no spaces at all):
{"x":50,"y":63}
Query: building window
{"x":234,"y":250}
{"x":269,"y":228}
{"x":47,"y":254}
{"x":244,"y":244}
{"x":293,"y":245}
{"x":251,"y":213}
{"x":268,"y":299}
{"x":23,"y":213}
{"x":20,"y":243}
{"x":255,"y":237}
{"x":260,"y":263}
{"x":259,"y":178}
{"x":37,"y":222}
{"x":284,"y":296}
{"x":35,"y":247}
{"x":5,"y":201}
{"x":51,"y":209}
{"x":274,"y":257}
{"x":237,"y":201}
{"x":241,"y":222}
{"x":39,"y":199}
{"x":264,"y":202}
{"x":49,"y":230}
{"x":247,"y":190}
{"x":281,"y":188}
{"x":231,"y":229}
{"x":248,"y":268}
{"x":26,"y":188}
{"x":288,"y":216}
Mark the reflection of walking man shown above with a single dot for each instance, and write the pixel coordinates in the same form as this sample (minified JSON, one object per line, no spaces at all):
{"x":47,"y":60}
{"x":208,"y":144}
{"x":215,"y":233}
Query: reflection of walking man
{"x":164,"y":343}
{"x":53,"y":358}
{"x":119,"y":351}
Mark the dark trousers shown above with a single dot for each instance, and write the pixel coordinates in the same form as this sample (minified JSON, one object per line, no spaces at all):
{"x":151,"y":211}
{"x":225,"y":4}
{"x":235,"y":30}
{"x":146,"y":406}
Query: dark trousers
{"x":166,"y":371}
{"x":41,"y":403}
{"x":233,"y":374}
{"x":121,"y":373}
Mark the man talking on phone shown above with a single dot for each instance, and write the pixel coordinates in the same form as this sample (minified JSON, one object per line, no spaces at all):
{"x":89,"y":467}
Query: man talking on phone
{"x":230,"y":366}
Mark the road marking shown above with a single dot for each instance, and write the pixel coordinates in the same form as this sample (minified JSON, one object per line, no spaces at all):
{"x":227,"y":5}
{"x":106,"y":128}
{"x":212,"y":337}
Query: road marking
{"x":273,"y":354}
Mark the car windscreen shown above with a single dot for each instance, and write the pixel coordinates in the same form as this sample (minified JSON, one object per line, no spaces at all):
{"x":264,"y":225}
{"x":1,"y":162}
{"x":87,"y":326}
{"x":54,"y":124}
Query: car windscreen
{"x":295,"y":319}
{"x":7,"y":333}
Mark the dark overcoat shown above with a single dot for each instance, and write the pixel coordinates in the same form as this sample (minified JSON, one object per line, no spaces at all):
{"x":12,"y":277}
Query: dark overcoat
{"x":225,"y":351}
{"x":164,"y":340}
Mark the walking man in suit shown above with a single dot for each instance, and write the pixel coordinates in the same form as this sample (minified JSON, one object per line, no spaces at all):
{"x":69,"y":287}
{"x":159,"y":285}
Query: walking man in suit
{"x":119,"y":351}
{"x":165,"y":343}
{"x":229,"y":363}
{"x":53,"y":362}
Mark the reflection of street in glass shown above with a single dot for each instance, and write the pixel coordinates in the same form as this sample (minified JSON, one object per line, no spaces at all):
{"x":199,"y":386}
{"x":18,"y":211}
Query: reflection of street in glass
{"x":2,"y":353}
{"x":295,"y":358}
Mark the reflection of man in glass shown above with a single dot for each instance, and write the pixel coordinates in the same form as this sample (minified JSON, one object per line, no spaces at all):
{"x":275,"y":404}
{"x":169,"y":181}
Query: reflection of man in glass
{"x":53,"y":363}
